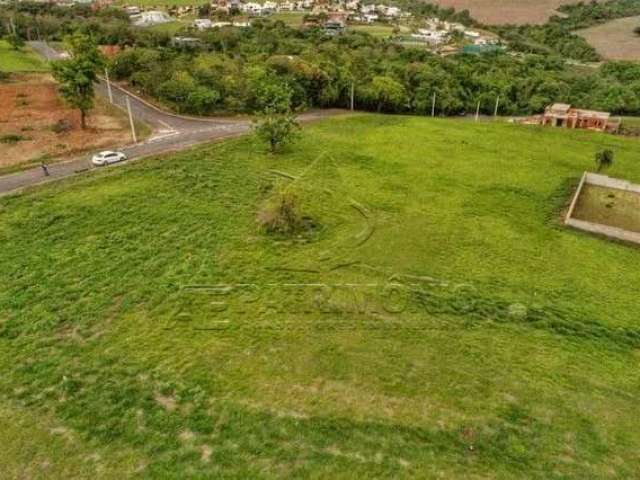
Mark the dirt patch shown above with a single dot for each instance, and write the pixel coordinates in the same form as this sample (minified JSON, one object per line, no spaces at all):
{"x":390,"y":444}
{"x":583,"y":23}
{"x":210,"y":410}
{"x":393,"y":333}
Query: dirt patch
{"x":168,"y":402}
{"x":205,"y":453}
{"x":501,"y":12}
{"x":30,"y":107}
{"x":615,"y":40}
{"x":609,"y":206}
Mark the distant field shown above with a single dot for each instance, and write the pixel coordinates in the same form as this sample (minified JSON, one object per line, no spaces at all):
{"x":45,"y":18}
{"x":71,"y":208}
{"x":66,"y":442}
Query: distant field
{"x":170,"y":27}
{"x":23,"y":60}
{"x":375,"y":30}
{"x":507,"y":11}
{"x":615,"y":40}
{"x":378,"y":30}
{"x":293,"y":19}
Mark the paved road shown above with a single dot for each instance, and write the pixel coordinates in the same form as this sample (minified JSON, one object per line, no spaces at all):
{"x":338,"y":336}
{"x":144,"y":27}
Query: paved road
{"x":170,"y":133}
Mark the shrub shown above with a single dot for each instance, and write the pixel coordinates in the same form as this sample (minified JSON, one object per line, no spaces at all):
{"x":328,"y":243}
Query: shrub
{"x":62,"y":126}
{"x":277,"y":129}
{"x":282,"y":214}
{"x":604,"y":159}
{"x":12,"y":138}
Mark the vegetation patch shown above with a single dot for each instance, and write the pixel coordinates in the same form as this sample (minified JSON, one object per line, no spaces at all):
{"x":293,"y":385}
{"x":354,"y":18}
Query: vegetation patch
{"x":12,"y":138}
{"x":20,"y":60}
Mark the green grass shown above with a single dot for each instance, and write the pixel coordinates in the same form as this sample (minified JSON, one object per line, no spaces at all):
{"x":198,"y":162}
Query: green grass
{"x":609,"y":206}
{"x":376,"y":30}
{"x":292,"y":19}
{"x":23,"y":60}
{"x":171,"y":27}
{"x":515,"y":355}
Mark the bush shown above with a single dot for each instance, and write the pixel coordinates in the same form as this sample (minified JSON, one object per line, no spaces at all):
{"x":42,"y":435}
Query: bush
{"x":282,"y":214}
{"x":62,"y":126}
{"x":277,"y":129}
{"x":12,"y":138}
{"x":604,"y":159}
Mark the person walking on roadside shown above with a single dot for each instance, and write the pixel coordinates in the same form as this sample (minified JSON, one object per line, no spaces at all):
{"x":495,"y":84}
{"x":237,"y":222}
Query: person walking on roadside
{"x":45,"y":169}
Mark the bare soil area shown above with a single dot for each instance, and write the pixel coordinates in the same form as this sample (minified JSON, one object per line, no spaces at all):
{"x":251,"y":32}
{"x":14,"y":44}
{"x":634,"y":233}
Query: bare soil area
{"x":615,"y":40}
{"x":609,"y":206}
{"x":500,"y":12}
{"x":30,"y":108}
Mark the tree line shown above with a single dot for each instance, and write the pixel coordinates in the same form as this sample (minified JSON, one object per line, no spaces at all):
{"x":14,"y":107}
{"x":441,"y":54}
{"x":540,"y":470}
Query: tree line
{"x":236,"y":69}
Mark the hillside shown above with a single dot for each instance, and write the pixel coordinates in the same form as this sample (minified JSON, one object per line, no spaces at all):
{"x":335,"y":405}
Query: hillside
{"x":435,"y":321}
{"x":501,"y":12}
{"x":615,"y":40}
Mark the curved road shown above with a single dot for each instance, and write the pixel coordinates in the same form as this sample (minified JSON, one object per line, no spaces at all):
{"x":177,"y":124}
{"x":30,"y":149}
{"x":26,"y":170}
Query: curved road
{"x":170,"y":133}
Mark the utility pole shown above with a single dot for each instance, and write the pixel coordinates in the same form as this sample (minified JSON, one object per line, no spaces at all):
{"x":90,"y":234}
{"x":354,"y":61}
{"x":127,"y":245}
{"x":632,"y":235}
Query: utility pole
{"x":106,"y":75}
{"x":495,"y":112}
{"x":353,"y":83}
{"x":133,"y":128}
{"x":478,"y":111}
{"x":433,"y":105}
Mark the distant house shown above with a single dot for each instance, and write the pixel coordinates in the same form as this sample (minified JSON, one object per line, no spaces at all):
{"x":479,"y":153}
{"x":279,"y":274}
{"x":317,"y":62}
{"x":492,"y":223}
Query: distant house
{"x":432,"y":37}
{"x":334,"y":27}
{"x":188,"y":42}
{"x":110,"y":51}
{"x":202,"y":23}
{"x":564,"y":115}
{"x":251,"y":8}
{"x":132,"y":10}
{"x":371,"y":17}
{"x":152,"y":17}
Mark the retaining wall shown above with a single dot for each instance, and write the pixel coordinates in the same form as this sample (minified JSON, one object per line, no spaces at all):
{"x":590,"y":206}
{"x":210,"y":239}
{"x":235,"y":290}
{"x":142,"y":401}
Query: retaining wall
{"x":598,"y":228}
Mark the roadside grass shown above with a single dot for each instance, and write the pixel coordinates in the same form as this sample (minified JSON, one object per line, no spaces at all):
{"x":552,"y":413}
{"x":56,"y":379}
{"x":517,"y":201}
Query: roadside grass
{"x":23,"y":60}
{"x":507,"y":348}
{"x":609,"y":206}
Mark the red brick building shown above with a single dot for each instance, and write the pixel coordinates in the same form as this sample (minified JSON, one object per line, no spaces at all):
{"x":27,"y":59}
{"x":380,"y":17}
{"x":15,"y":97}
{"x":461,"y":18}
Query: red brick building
{"x":563,"y":115}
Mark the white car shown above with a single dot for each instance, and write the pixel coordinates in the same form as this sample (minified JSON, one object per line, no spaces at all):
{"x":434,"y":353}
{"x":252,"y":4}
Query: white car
{"x":107,"y":157}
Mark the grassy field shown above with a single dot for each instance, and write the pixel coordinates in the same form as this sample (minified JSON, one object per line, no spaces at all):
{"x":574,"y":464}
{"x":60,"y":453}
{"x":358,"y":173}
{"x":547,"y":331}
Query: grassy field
{"x":171,"y":28}
{"x":23,"y":60}
{"x":377,"y":30}
{"x":609,"y":206}
{"x":483,"y":339}
{"x":615,"y":40}
{"x":292,"y":19}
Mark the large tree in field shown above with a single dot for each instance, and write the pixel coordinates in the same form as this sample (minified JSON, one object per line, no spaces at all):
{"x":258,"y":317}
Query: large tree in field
{"x":77,"y":74}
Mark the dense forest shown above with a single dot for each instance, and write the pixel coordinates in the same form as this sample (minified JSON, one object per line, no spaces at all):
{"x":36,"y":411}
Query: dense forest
{"x":232,"y":69}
